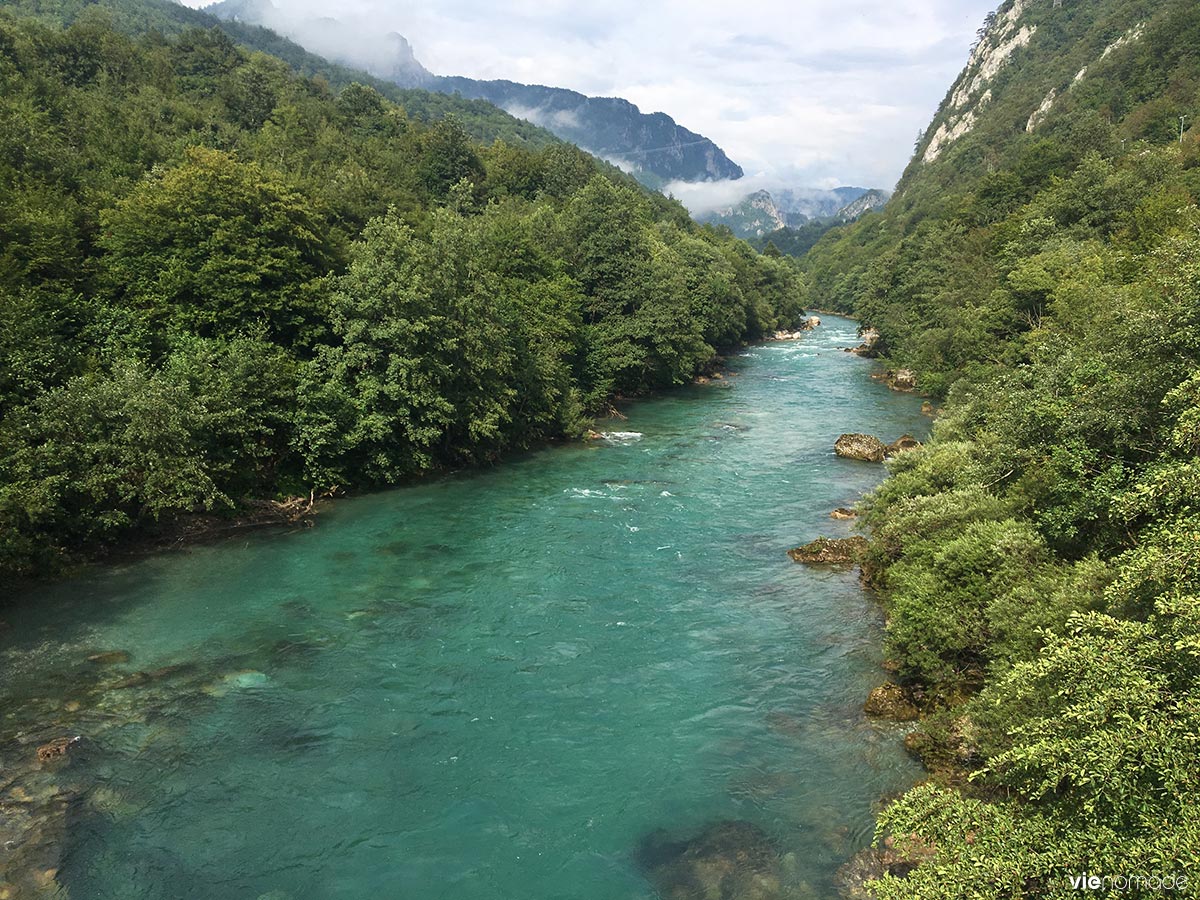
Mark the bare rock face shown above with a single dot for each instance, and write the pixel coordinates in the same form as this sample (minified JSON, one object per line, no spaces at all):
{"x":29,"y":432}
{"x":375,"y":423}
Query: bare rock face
{"x":860,"y":446}
{"x":729,"y":860}
{"x":830,"y":551}
{"x":891,"y":701}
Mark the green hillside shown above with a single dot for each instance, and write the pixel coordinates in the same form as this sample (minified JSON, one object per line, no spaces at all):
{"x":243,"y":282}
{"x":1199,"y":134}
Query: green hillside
{"x":1039,"y":271}
{"x":221,"y":281}
{"x":483,"y":121}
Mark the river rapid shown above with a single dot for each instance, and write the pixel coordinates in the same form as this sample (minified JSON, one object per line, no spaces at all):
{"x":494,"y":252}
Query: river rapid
{"x":493,"y":684}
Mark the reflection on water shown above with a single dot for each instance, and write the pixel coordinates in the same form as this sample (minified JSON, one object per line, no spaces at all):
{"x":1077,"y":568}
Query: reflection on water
{"x":591,"y":672}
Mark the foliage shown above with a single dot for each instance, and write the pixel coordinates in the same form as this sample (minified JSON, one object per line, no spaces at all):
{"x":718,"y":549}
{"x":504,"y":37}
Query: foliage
{"x":1039,"y":558}
{"x":222,"y":280}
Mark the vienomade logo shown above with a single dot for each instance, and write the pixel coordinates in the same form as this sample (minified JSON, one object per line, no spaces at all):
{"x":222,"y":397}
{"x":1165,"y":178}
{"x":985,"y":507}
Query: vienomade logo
{"x":1121,"y":883}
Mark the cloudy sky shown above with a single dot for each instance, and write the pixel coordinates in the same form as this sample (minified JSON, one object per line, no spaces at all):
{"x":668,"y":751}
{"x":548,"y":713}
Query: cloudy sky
{"x":808,"y":93}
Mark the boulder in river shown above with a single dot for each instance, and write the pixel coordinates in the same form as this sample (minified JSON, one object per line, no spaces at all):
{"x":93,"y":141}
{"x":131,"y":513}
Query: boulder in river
{"x":843,"y":513}
{"x":860,"y":446}
{"x":891,"y":701}
{"x":728,"y":860}
{"x":830,"y":551}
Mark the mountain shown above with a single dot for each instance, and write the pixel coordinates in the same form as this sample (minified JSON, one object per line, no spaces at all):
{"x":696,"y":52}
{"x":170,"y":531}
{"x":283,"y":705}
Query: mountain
{"x":653,"y":147}
{"x":868,"y":201}
{"x":1038,"y":272}
{"x":793,"y":220}
{"x":385,"y":55}
{"x":804,"y":204}
{"x":755,"y":216}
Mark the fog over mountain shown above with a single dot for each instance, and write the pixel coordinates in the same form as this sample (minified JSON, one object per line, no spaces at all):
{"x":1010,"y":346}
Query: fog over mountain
{"x":822,"y":93}
{"x":651,"y":146}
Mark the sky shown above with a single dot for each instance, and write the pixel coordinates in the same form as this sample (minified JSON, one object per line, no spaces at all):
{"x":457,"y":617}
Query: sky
{"x":800,"y":93}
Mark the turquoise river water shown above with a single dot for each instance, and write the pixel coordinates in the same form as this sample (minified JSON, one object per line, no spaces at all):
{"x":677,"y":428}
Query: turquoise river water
{"x":492,"y":684}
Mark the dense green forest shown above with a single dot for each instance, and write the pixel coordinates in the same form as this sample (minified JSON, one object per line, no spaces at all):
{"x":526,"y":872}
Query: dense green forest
{"x":222,"y":280}
{"x":483,"y":121}
{"x":1040,"y":558}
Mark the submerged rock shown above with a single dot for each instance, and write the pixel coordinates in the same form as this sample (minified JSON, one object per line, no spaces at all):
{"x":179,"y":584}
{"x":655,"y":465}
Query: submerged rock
{"x":233,"y":681}
{"x":110,"y":658}
{"x":830,"y":551}
{"x":893,"y":858}
{"x":56,"y":749}
{"x":860,"y":446}
{"x":729,"y":860}
{"x":891,"y":701}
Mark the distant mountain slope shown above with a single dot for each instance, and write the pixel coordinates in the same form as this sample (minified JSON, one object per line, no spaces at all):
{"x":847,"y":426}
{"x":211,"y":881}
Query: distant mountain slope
{"x":795,"y":223}
{"x":652,"y":146}
{"x":755,"y":216}
{"x":871,"y":200}
{"x":483,"y":121}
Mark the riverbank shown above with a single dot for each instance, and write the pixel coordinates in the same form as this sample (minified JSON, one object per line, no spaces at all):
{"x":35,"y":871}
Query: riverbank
{"x":505,"y":680}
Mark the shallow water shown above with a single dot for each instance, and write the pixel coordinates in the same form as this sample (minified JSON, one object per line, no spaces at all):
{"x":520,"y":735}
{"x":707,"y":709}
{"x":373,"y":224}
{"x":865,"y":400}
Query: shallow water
{"x":493,"y":684}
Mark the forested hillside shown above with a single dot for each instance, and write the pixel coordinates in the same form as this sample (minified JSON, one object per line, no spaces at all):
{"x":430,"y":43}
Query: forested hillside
{"x":1039,"y":270}
{"x":222,"y":280}
{"x":480,"y":119}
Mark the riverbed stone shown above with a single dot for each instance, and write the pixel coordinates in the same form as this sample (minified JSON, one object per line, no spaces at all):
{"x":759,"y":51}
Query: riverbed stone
{"x":860,"y":446}
{"x":110,"y":658}
{"x":891,"y":701}
{"x":830,"y":551}
{"x":728,"y":860}
{"x":56,"y":749}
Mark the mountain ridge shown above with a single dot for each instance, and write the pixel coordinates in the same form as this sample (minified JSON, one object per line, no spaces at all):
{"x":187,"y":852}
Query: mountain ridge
{"x":652,"y":146}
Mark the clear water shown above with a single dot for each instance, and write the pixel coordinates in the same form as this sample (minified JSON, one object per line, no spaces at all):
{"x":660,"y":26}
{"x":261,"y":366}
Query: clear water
{"x":492,"y":684}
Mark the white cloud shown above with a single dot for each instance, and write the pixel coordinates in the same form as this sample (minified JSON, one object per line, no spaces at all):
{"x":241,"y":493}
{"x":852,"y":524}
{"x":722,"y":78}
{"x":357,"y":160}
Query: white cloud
{"x":824,"y":91}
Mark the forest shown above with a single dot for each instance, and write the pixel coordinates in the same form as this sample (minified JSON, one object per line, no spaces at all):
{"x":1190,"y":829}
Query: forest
{"x":1039,"y":560}
{"x":223,"y":281}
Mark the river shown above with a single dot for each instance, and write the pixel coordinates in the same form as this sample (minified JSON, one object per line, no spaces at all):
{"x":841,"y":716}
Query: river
{"x":492,"y":684}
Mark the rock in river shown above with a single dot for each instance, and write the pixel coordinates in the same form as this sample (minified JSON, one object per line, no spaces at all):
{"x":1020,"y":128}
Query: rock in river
{"x":860,"y":446}
{"x":730,"y":860}
{"x":55,"y":749}
{"x":830,"y":551}
{"x":891,"y":701}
